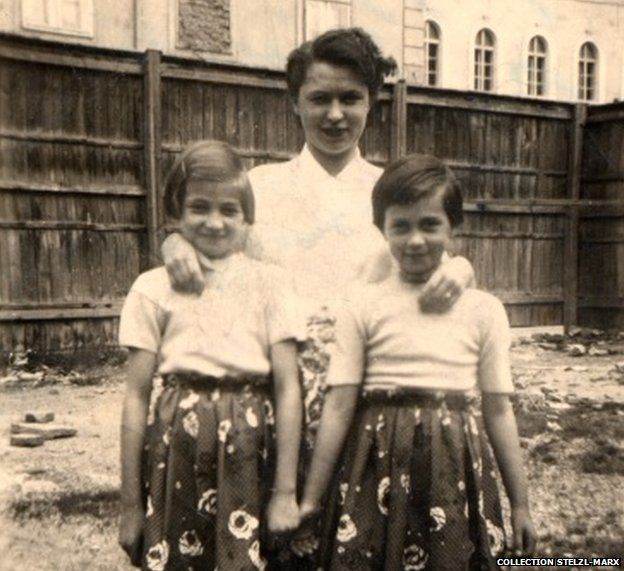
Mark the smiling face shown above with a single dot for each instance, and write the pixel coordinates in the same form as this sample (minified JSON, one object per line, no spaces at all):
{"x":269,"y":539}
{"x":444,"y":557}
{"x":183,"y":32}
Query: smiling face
{"x":332,"y":104}
{"x":418,"y":234}
{"x":212,"y":218}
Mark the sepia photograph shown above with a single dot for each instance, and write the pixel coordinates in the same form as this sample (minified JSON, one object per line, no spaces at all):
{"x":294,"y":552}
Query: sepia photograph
{"x":311,"y":285}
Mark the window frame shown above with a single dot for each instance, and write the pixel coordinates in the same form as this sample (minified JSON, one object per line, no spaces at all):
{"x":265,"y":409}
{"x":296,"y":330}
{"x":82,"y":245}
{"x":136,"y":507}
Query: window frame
{"x":484,"y":59}
{"x":587,"y":86}
{"x":54,"y":25}
{"x":537,"y":62}
{"x":432,"y":41}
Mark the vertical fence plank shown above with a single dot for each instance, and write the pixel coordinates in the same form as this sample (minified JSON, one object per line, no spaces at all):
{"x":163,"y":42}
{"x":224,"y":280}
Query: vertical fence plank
{"x":398,"y":132}
{"x":152,"y":145}
{"x":571,"y":238}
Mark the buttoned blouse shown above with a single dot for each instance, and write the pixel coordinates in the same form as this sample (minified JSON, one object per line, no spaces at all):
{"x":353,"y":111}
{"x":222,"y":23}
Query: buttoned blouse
{"x":316,"y":226}
{"x":245,"y":307}
{"x":384,"y":340}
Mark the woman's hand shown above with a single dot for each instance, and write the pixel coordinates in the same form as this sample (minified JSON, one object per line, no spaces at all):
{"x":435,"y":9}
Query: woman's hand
{"x":182,"y":265}
{"x":305,"y":541}
{"x":446,"y":284}
{"x":131,"y":533}
{"x":283,"y":513}
{"x":524,"y":534}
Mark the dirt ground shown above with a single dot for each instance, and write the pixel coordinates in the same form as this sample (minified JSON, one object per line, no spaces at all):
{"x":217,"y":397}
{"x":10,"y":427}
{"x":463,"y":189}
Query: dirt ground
{"x":60,"y":499}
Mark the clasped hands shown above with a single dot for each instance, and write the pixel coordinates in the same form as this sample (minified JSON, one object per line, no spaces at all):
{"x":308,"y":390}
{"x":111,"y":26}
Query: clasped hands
{"x":288,"y":520}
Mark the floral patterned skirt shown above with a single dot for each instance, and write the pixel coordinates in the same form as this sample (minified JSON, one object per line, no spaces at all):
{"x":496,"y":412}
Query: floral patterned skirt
{"x":416,"y":490}
{"x":313,"y":361}
{"x":209,"y":450}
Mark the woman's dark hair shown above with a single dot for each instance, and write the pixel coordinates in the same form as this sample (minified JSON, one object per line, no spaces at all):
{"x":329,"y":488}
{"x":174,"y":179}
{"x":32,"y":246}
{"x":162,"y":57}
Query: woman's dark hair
{"x":409,"y":179}
{"x":352,"y":48}
{"x":212,"y":161}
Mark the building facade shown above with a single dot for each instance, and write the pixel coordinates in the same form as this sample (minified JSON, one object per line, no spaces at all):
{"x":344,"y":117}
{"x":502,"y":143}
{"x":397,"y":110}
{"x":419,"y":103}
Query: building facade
{"x":567,"y":50}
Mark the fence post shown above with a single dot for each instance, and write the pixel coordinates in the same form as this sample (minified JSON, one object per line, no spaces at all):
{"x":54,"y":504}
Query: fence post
{"x":398,"y":130}
{"x":571,"y":240}
{"x":152,"y":138}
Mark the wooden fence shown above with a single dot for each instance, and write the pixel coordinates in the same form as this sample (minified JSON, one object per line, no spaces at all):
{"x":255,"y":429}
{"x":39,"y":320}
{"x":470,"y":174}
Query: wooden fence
{"x":86,"y":136}
{"x":601,"y":232}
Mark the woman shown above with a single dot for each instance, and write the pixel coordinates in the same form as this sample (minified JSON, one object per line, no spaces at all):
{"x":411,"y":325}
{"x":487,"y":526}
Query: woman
{"x":314,"y":214}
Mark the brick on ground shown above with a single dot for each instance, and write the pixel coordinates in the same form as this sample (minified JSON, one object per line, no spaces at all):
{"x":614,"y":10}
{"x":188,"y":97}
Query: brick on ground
{"x":48,"y":431}
{"x":27,"y":440}
{"x":39,"y":417}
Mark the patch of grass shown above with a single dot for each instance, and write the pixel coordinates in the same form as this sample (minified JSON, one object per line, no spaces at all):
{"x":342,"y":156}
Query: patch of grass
{"x":101,"y":505}
{"x":530,"y":424}
{"x":607,"y":457}
{"x":585,"y":422}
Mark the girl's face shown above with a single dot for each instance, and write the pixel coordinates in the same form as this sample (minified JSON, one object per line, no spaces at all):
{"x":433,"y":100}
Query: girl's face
{"x":212,"y":218}
{"x":418,"y":234}
{"x":332,"y":104}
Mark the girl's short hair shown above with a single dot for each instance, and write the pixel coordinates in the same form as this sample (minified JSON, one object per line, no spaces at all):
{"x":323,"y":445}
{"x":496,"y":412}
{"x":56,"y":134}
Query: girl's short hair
{"x":407,"y":180}
{"x":352,"y":48}
{"x":212,"y":161}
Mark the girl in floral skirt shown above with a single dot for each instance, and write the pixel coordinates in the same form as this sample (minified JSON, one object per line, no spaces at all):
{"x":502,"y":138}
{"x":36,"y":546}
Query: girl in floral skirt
{"x":199,"y":459}
{"x":416,"y":487}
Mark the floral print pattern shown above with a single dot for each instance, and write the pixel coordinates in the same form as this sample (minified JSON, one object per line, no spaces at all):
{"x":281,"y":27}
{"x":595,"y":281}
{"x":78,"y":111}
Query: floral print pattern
{"x":190,"y":544}
{"x":158,"y":556}
{"x":203,"y":512}
{"x":414,"y":558}
{"x":242,"y":525}
{"x":208,"y":502}
{"x":346,"y":529}
{"x":383,"y":495}
{"x":393,"y":515}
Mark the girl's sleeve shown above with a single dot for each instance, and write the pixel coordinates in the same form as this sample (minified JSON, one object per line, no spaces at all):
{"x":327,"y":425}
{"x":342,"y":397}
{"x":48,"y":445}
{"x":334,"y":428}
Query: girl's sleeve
{"x":494,"y":363}
{"x":347,"y":362}
{"x":284,"y":316}
{"x":141,"y":321}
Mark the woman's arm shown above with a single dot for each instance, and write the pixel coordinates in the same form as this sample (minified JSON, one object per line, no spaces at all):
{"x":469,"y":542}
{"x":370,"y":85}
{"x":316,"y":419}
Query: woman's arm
{"x":140,"y":371}
{"x":283,"y":512}
{"x":500,"y":424}
{"x":182,"y":264}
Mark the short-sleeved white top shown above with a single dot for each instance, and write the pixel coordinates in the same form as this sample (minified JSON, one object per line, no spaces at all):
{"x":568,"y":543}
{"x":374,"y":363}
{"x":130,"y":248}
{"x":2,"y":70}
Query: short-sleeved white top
{"x":316,"y":226}
{"x":384,"y":340}
{"x":245,"y":307}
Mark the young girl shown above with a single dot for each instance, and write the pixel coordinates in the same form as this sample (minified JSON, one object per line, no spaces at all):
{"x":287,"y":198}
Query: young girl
{"x":417,"y":487}
{"x":198,"y":500}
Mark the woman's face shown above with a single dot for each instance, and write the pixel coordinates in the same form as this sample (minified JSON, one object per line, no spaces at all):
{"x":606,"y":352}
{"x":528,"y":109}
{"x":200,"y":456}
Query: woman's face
{"x":332,"y":104}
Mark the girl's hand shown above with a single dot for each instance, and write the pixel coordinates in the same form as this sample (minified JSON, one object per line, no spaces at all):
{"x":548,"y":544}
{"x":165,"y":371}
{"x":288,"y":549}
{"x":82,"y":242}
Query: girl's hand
{"x":446,"y":284}
{"x":283,"y":513}
{"x":131,"y":533}
{"x":182,"y":265}
{"x":524,"y":535}
{"x":305,"y":541}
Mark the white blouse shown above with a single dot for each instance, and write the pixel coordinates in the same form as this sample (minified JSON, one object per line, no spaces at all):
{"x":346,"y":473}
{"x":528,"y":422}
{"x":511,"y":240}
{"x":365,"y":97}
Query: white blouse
{"x":316,"y":226}
{"x":245,"y":307}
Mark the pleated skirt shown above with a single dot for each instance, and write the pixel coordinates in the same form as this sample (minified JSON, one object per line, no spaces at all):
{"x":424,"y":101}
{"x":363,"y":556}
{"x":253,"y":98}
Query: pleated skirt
{"x":210,"y":448}
{"x":417,"y":489}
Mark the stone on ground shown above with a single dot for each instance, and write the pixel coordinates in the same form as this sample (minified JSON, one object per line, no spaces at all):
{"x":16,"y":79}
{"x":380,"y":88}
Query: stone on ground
{"x":39,"y":417}
{"x":48,"y":431}
{"x":27,"y":440}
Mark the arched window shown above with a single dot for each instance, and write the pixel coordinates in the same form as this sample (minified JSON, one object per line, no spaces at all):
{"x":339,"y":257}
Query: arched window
{"x":536,"y":80}
{"x":588,"y":72}
{"x":432,"y":53}
{"x":484,"y":61}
